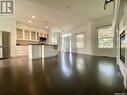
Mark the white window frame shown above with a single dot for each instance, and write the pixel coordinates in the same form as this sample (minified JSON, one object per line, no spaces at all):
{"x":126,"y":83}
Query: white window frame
{"x":103,"y":27}
{"x":82,"y":40}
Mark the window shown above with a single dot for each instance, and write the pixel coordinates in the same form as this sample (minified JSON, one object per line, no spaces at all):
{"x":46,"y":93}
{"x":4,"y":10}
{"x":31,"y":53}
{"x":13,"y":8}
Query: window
{"x":55,"y":37}
{"x":80,"y":40}
{"x":105,"y":37}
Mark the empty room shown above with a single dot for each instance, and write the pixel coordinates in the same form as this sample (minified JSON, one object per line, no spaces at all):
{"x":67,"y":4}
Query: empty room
{"x":63,"y":47}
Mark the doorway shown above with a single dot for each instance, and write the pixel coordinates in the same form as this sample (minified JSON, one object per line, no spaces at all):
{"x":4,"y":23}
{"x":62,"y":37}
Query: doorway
{"x":66,"y":43}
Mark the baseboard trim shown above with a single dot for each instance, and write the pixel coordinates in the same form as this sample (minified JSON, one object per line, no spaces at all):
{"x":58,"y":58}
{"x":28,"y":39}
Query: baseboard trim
{"x":92,"y":54}
{"x":104,"y":55}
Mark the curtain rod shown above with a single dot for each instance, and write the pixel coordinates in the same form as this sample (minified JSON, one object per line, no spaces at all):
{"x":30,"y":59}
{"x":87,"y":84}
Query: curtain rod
{"x":103,"y":26}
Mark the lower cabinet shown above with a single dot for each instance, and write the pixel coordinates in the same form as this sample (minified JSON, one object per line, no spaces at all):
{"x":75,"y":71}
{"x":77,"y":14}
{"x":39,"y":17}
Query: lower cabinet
{"x":21,"y":50}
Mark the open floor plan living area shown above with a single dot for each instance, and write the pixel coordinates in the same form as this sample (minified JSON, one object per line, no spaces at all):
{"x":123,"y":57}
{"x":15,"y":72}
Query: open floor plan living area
{"x":63,"y":47}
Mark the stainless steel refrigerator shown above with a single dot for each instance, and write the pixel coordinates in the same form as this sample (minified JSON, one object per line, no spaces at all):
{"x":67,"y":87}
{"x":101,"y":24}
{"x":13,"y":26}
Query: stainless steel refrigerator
{"x":4,"y":44}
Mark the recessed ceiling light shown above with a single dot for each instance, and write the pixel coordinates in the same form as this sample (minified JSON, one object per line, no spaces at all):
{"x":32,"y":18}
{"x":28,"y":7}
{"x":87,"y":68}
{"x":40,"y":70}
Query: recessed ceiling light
{"x":33,"y":16}
{"x":29,"y":21}
{"x":47,"y":27}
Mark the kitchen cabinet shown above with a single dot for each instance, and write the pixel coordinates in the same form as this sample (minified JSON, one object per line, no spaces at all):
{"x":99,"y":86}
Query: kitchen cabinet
{"x":27,"y":34}
{"x":33,"y":35}
{"x":30,"y":35}
{"x":19,"y":34}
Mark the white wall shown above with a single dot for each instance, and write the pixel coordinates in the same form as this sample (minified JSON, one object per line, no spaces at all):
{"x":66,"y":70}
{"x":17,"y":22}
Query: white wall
{"x":8,"y":23}
{"x":87,"y":39}
{"x":120,"y":24}
{"x":91,"y":38}
{"x":111,"y":52}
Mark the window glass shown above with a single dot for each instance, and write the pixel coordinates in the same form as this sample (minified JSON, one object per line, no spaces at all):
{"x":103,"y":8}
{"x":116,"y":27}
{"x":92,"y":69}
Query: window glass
{"x":80,"y":40}
{"x":105,"y":37}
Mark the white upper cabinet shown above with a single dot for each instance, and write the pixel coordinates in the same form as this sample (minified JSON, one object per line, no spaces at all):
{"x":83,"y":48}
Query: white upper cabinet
{"x":27,"y":34}
{"x":19,"y":34}
{"x":30,"y":35}
{"x":33,"y":35}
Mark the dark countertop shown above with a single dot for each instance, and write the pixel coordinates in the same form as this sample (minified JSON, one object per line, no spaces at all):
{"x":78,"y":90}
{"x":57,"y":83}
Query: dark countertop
{"x":44,"y":44}
{"x":49,"y":44}
{"x":21,"y":45}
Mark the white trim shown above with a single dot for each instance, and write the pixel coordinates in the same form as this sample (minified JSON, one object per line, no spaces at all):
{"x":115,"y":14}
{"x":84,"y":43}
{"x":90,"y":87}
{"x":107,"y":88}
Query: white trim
{"x":65,"y":35}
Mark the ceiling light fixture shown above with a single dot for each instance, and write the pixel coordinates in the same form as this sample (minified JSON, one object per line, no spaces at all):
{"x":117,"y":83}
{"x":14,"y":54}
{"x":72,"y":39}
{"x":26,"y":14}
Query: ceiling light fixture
{"x":33,"y":16}
{"x":29,"y":21}
{"x":106,"y":3}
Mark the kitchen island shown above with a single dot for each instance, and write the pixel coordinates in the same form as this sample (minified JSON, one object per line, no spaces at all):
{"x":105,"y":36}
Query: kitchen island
{"x":42,"y":50}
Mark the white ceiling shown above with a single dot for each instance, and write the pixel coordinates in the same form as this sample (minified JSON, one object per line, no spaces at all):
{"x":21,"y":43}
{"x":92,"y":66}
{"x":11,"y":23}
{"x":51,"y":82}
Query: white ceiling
{"x":57,"y":15}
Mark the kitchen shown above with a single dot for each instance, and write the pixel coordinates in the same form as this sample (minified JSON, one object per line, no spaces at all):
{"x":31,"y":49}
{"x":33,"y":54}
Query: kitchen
{"x":28,"y":35}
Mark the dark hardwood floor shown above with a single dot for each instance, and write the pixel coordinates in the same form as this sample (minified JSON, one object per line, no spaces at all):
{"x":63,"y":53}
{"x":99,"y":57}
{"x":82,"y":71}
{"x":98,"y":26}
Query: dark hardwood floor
{"x":67,"y":74}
